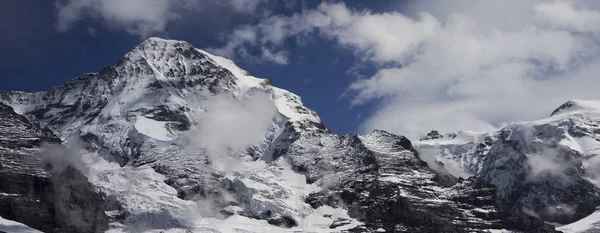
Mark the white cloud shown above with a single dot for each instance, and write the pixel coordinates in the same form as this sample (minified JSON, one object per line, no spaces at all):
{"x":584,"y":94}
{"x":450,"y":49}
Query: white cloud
{"x":138,"y":17}
{"x":227,"y":126}
{"x":564,"y":14}
{"x":360,"y":31}
{"x":456,"y":66}
{"x":59,"y":157}
{"x":244,"y":5}
{"x":546,"y":164}
{"x":279,"y":57}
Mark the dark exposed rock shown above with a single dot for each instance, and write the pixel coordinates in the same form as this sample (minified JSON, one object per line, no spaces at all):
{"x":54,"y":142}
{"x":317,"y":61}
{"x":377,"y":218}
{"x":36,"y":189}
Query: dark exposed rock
{"x":401,"y":194}
{"x":282,"y":221}
{"x":340,"y":222}
{"x":537,"y":194}
{"x":267,"y":82}
{"x":432,"y":135}
{"x":176,"y":118}
{"x":63,"y":201}
{"x":563,"y":107}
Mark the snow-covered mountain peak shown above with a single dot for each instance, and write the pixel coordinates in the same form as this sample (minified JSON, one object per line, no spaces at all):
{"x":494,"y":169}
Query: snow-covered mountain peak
{"x":154,"y":40}
{"x":158,"y":90}
{"x":574,"y":106}
{"x":155,"y":44}
{"x":173,"y":60}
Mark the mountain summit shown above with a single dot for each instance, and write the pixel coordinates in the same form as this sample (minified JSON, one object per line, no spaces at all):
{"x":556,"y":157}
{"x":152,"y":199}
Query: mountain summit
{"x":174,"y":139}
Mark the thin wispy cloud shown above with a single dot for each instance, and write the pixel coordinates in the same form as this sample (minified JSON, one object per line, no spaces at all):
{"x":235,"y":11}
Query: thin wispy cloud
{"x":139,"y":17}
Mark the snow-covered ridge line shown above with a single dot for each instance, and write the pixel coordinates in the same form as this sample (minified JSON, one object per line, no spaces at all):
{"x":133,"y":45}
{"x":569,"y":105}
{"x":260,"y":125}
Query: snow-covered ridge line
{"x":574,"y":106}
{"x":164,"y":56}
{"x":554,"y":160}
{"x":285,"y":101}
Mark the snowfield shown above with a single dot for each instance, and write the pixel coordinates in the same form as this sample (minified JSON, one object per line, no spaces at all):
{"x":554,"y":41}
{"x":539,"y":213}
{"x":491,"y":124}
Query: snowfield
{"x":156,"y":207}
{"x":589,"y":224}
{"x":9,"y":226}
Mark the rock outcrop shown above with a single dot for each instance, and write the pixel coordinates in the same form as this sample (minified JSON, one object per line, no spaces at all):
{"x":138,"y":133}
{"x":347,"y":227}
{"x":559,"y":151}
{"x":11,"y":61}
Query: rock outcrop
{"x":45,"y":199}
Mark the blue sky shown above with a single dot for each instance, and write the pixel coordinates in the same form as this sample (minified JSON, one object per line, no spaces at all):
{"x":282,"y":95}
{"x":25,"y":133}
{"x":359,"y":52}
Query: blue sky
{"x":405,"y":66}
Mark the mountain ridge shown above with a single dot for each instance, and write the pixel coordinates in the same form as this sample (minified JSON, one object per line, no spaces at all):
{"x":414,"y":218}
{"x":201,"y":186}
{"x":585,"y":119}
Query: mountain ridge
{"x":148,"y":132}
{"x":546,"y":167}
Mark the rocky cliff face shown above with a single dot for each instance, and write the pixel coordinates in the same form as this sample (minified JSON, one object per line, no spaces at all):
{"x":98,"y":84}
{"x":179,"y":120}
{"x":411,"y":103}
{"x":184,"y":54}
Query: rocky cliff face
{"x":547,"y":168}
{"x":147,"y":129}
{"x":47,"y":199}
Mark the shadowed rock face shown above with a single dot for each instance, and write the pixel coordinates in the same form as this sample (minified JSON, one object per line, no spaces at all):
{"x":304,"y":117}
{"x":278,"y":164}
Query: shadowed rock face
{"x":61,"y":202}
{"x":386,"y":185}
{"x":571,"y":190}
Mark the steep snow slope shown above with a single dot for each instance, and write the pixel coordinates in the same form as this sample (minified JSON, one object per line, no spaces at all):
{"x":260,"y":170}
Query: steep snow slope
{"x":180,"y":140}
{"x":153,"y":206}
{"x":577,"y":106}
{"x":548,"y":167}
{"x":8,"y":226}
{"x":589,"y":224}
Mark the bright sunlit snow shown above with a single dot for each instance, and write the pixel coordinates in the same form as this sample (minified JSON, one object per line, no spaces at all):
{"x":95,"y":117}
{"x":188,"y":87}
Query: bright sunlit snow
{"x":152,"y":128}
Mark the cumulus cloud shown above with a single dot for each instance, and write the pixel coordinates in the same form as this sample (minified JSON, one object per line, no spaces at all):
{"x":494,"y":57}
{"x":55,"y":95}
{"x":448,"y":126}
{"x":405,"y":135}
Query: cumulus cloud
{"x":227,"y":126}
{"x":138,"y":17}
{"x":360,"y":31}
{"x":564,"y":14}
{"x":454,"y":66}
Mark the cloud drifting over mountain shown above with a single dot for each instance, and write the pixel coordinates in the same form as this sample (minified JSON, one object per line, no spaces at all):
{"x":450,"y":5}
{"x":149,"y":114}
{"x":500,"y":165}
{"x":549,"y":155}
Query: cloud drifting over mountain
{"x":455,"y":65}
{"x":226,"y":126}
